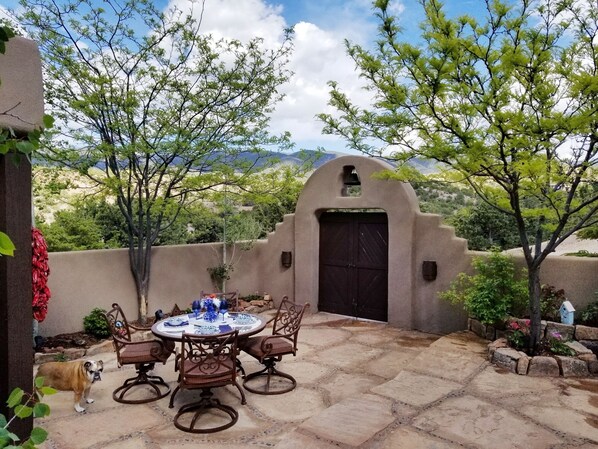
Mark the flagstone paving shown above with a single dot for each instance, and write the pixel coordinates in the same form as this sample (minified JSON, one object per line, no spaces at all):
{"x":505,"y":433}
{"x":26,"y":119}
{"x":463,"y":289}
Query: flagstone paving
{"x":360,"y":385}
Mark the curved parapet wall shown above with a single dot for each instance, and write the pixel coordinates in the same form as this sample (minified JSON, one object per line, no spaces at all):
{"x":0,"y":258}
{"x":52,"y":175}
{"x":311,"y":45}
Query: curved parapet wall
{"x":412,"y":238}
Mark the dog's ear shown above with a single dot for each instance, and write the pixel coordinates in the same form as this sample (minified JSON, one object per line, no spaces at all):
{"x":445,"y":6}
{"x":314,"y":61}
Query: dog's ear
{"x":100,"y":364}
{"x":86,"y":365}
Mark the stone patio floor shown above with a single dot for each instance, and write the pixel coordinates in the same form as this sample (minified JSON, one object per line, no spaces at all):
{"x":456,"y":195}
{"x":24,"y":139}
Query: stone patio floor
{"x":360,"y":385}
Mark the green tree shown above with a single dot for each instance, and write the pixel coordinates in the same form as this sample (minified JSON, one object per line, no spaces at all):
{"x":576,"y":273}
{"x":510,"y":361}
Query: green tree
{"x":95,"y":223}
{"x":271,"y":207}
{"x":194,"y":224}
{"x":485,"y":227}
{"x":72,"y":231}
{"x":151,"y":109}
{"x":508,"y":105}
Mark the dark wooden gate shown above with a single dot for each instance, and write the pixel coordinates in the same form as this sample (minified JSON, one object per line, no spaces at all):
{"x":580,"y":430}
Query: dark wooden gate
{"x":354,"y":264}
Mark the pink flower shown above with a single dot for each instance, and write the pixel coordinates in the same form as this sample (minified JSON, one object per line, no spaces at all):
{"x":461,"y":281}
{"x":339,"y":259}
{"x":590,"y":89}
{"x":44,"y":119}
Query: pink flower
{"x":514,"y":325}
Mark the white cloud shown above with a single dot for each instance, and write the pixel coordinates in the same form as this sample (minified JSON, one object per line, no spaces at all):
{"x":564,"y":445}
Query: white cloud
{"x":239,"y":19}
{"x":319,"y":56}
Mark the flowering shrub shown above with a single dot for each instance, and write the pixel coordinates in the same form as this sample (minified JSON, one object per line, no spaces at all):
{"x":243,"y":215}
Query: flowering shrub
{"x":552,"y":344}
{"x":39,"y":275}
{"x":518,"y":334}
{"x":556,"y":344}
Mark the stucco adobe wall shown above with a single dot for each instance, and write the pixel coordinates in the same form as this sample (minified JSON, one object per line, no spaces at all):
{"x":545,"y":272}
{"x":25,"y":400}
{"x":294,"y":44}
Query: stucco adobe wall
{"x":578,"y":276}
{"x":82,"y":280}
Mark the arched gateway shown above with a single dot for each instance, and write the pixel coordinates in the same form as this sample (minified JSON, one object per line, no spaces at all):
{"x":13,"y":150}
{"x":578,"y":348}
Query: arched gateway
{"x":361,"y":245}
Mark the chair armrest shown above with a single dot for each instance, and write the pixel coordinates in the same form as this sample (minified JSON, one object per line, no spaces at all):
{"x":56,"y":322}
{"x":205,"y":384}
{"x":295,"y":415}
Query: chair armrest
{"x":139,"y":328}
{"x":165,"y":347}
{"x":266,"y":346}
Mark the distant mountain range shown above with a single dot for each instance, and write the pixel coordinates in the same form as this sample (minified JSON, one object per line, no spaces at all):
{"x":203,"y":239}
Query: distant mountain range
{"x":320,"y":158}
{"x":298,"y":158}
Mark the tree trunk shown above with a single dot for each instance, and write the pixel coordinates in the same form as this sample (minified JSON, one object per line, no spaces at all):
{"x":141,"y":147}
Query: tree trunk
{"x":140,"y":258}
{"x":534,"y":307}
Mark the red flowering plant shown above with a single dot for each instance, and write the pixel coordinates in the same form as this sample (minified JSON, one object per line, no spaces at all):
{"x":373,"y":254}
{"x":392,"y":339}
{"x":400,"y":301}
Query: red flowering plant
{"x":39,"y":275}
{"x":518,"y":334}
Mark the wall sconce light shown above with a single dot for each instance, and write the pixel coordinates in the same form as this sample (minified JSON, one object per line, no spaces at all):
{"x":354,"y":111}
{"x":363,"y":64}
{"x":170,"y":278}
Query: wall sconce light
{"x":286,"y":259}
{"x":429,"y":270}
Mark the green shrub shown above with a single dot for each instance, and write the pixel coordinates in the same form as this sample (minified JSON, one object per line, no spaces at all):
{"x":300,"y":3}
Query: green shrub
{"x":252,"y":297}
{"x":95,"y":324}
{"x":219,"y":274}
{"x":492,"y":293}
{"x":589,"y":316}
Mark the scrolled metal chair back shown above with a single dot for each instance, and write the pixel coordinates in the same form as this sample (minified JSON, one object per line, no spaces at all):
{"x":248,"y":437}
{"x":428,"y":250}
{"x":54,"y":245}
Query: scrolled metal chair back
{"x":288,"y":319}
{"x":119,"y":326}
{"x":209,"y":356}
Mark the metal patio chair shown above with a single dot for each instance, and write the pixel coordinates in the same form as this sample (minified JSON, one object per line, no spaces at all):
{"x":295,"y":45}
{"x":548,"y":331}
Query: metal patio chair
{"x":206,"y":362}
{"x":142,"y":354}
{"x":270,"y":349}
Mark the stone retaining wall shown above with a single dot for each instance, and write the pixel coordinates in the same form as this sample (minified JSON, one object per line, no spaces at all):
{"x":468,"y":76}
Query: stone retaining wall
{"x":73,"y":353}
{"x":583,"y":364}
{"x":584,"y":341}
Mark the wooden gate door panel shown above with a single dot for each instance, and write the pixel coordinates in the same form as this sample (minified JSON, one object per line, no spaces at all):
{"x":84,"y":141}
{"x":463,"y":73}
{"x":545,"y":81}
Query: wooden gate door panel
{"x":354,"y":264}
{"x":372,"y":267}
{"x":338,"y":241}
{"x":335,"y":288}
{"x":372,"y":293}
{"x":334,"y":270}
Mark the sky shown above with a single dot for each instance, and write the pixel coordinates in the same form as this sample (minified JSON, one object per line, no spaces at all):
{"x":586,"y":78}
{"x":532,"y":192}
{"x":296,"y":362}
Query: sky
{"x":321,"y":27}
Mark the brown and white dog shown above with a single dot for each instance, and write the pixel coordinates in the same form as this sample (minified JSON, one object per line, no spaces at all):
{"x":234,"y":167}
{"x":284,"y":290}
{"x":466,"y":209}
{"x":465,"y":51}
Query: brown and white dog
{"x":77,"y":376}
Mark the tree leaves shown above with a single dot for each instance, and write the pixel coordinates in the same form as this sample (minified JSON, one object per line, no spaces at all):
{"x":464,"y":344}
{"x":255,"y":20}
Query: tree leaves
{"x":24,"y":410}
{"x":7,"y":248}
{"x":5,"y":34}
{"x":150,"y":101}
{"x":508,"y":104}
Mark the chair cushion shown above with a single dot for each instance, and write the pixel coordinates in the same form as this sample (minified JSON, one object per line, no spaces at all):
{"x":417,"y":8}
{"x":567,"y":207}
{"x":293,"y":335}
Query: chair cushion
{"x":140,"y":353}
{"x":209,"y":374}
{"x":280,"y":346}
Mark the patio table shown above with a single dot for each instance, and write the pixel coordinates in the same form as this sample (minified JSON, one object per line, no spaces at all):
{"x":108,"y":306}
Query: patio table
{"x":247,"y":324}
{"x":173,"y":328}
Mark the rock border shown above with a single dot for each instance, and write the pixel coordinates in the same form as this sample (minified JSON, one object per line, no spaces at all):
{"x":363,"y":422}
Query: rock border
{"x":73,"y":353}
{"x":583,"y":364}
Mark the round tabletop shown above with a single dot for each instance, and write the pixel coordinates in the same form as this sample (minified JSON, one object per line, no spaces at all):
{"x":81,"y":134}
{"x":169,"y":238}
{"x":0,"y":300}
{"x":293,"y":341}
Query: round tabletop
{"x":172,"y":328}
